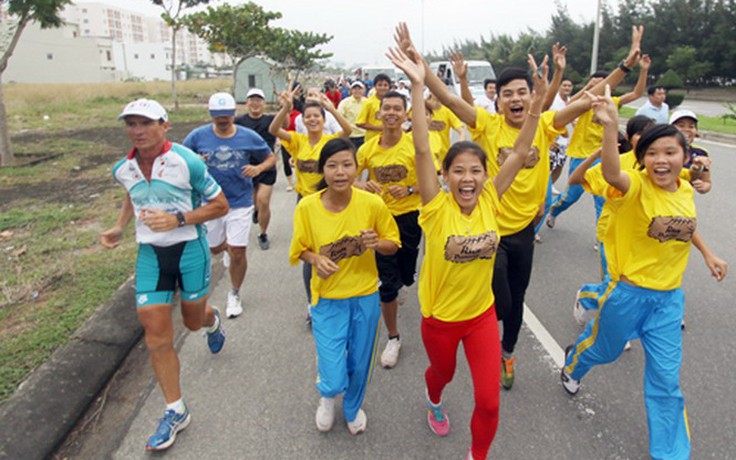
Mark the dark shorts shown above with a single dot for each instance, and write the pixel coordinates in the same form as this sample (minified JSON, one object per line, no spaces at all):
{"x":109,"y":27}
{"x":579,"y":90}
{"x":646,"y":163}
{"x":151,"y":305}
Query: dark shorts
{"x":400,"y":269}
{"x":161,"y":269}
{"x":266,"y":177}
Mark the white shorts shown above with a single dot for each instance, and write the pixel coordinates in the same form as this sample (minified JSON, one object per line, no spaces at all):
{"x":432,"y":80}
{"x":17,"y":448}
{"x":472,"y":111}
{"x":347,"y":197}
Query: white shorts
{"x":234,"y":228}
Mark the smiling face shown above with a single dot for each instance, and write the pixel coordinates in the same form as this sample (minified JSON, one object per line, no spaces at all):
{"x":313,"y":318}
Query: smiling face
{"x":688,"y":127}
{"x":392,"y":112}
{"x":340,"y":171}
{"x":255,"y":105}
{"x":663,"y":160}
{"x":565,"y":88}
{"x":382,"y":87}
{"x":313,"y":119}
{"x":465,"y":178}
{"x":514,"y":100}
{"x":491,"y":90}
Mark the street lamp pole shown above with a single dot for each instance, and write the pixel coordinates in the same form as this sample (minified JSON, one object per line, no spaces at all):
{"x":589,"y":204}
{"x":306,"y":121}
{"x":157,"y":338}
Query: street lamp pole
{"x":596,"y":35}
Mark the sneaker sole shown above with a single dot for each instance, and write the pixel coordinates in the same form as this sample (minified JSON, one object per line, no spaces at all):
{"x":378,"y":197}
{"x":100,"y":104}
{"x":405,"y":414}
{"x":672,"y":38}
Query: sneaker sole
{"x":171,"y":440}
{"x":438,"y":433}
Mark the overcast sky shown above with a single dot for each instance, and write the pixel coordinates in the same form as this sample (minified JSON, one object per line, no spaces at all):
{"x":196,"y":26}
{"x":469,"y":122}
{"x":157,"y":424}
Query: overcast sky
{"x":362,"y":30}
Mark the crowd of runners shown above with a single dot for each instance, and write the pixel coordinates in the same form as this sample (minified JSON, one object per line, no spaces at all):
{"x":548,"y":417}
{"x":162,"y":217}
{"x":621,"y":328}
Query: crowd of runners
{"x":378,"y":182}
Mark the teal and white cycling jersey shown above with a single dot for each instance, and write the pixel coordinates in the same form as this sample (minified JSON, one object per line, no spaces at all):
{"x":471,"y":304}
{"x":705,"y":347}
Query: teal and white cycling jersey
{"x":179,"y":181}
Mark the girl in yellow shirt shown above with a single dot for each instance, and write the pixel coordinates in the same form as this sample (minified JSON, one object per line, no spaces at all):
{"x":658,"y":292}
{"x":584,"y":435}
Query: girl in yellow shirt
{"x":336,"y":231}
{"x":462,"y":235}
{"x":648,"y":243}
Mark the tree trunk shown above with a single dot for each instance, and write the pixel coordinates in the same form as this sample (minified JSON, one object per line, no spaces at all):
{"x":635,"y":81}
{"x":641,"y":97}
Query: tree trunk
{"x":173,"y":68}
{"x":6,"y":155}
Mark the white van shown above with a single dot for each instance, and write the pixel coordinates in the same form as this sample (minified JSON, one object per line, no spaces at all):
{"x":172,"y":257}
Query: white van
{"x":478,"y":72}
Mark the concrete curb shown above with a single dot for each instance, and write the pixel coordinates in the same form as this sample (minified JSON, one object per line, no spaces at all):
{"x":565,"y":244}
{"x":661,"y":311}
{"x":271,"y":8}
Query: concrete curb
{"x":47,"y":405}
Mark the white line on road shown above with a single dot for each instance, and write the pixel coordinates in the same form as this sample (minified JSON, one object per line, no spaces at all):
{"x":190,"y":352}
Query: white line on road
{"x":544,"y":337}
{"x":720,"y":144}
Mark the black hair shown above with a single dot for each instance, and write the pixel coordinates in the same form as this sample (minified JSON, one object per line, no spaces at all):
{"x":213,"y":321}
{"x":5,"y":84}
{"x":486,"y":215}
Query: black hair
{"x":653,"y":89}
{"x":462,"y":147}
{"x":332,"y":147}
{"x":623,"y":143}
{"x":488,"y":81}
{"x":392,"y":94}
{"x":600,"y":74}
{"x":314,"y":104}
{"x":648,"y":136}
{"x":381,"y":77}
{"x":566,"y":79}
{"x":513,"y":73}
{"x":637,"y":124}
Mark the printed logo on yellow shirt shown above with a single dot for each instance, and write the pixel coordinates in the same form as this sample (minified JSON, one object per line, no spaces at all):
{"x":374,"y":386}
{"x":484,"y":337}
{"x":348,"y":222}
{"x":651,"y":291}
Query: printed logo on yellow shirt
{"x":390,"y":173}
{"x":666,"y":228}
{"x":308,"y":166}
{"x":343,"y":248}
{"x":532,"y":158}
{"x":462,"y":249}
{"x":437,"y":125}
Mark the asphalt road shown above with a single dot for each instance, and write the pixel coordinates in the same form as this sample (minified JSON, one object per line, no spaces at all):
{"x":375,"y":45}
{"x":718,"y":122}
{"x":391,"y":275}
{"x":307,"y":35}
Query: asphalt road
{"x":706,"y":108}
{"x":256,"y":399}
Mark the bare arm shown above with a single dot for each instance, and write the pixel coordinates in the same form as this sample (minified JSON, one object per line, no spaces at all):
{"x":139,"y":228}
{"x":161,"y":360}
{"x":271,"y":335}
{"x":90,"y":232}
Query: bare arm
{"x":607,"y":112}
{"x":111,"y":238}
{"x":277,"y":125}
{"x":514,"y":162}
{"x":718,"y":267}
{"x":641,"y":83}
{"x":162,"y":221}
{"x":460,"y":67}
{"x":346,"y":129}
{"x":617,"y":75}
{"x":559,"y":60}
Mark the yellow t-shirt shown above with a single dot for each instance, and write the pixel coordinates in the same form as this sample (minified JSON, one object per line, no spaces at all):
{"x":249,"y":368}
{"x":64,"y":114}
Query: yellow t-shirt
{"x":650,"y":232}
{"x":337,"y":235}
{"x":435,"y":145}
{"x":368,"y":114}
{"x":306,"y":159}
{"x":457,"y":269}
{"x":392,"y":166}
{"x":350,"y":109}
{"x":588,"y":135}
{"x":521,"y":202}
{"x":442,"y":121}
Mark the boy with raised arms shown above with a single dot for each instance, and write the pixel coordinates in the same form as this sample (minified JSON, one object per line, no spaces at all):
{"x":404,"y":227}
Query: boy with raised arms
{"x":368,"y":116}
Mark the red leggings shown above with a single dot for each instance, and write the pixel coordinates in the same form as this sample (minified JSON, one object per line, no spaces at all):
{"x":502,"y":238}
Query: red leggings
{"x":483,"y":352}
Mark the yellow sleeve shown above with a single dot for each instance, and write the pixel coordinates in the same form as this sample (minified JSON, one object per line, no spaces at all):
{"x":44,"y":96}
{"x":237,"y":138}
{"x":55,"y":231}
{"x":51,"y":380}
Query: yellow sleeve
{"x":386,"y":224}
{"x":454,"y":121}
{"x":300,"y":237}
{"x":615,"y":196}
{"x":482,"y":118}
{"x":548,"y":121}
{"x":292,"y":146}
{"x":594,"y":183}
{"x":361,"y":159}
{"x":365,"y":114}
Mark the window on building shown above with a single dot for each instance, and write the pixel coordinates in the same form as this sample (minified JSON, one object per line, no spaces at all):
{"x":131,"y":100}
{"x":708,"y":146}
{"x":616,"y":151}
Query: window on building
{"x":109,"y":55}
{"x":153,"y":56}
{"x":84,"y":10}
{"x":135,"y":56}
{"x":252,"y":81}
{"x":50,"y":56}
{"x":85,"y":20}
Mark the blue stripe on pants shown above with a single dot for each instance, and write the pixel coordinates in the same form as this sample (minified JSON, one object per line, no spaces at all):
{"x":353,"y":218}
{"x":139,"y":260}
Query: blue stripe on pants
{"x":345,"y":336}
{"x":630,"y":312}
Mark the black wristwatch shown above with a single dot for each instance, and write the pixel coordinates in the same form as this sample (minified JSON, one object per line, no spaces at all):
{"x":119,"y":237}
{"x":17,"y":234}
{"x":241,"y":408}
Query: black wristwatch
{"x":181,"y":219}
{"x":410,"y":190}
{"x":623,"y":67}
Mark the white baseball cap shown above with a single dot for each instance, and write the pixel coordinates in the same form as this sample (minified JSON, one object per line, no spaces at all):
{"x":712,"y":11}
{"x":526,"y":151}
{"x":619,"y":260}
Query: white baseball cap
{"x":145,"y":108}
{"x":357,"y":83}
{"x":679,"y":114}
{"x":222,"y":105}
{"x":255,"y":92}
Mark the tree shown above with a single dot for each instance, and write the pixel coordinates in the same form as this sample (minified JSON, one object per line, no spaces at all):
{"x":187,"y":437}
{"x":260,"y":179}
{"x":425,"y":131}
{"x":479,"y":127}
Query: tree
{"x":21,"y":13}
{"x":240,"y":31}
{"x":171,"y":16}
{"x":684,"y":60}
{"x":295,"y":50}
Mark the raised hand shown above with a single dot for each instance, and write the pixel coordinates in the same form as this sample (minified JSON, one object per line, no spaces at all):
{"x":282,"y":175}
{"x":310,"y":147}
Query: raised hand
{"x":637,"y":32}
{"x":559,"y":56}
{"x":459,"y":66}
{"x":539,"y":75}
{"x":645,"y":62}
{"x":604,"y":107}
{"x":286,"y":99}
{"x":415,"y":71}
{"x":404,"y":42}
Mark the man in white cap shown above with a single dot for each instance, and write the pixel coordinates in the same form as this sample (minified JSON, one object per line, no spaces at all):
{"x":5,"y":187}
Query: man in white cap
{"x":172,"y":250}
{"x":234,"y":155}
{"x":350,"y":109}
{"x":255,"y":119}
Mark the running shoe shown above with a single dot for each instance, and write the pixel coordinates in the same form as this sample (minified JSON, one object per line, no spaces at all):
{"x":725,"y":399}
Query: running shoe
{"x":234,"y":305}
{"x":325,"y":416}
{"x":437,"y":418}
{"x":216,"y":339}
{"x":289,"y":188}
{"x":551,"y":220}
{"x":390,"y":355}
{"x":507,"y":372}
{"x":263,"y":242}
{"x":627,"y":345}
{"x":170,"y":424}
{"x":358,"y":425}
{"x":568,"y":383}
{"x":537,"y":238}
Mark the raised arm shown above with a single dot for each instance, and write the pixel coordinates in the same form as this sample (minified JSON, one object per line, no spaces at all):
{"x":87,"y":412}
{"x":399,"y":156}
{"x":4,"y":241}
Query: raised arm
{"x":515,"y":161}
{"x":577,"y":177}
{"x":345,"y":127}
{"x":426,"y":174}
{"x":618,"y":74}
{"x":607,"y":113}
{"x":463,"y":110}
{"x":641,"y":83}
{"x":460,"y":67}
{"x":286,"y":98}
{"x":559,"y":60}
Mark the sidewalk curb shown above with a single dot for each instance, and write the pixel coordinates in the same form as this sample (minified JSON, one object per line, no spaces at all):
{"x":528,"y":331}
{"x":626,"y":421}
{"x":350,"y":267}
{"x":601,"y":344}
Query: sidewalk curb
{"x":47,"y":405}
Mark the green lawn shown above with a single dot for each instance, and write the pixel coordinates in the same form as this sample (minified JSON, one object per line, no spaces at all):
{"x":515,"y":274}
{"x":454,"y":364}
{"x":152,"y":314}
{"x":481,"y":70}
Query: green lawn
{"x":715,"y":124}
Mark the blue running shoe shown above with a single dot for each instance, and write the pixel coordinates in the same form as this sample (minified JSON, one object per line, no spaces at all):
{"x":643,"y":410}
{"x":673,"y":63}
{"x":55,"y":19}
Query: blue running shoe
{"x":168,"y":426}
{"x":215,"y":340}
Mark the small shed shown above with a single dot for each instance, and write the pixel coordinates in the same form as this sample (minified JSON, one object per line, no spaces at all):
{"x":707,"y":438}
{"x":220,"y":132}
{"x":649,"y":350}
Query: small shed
{"x":259,"y":72}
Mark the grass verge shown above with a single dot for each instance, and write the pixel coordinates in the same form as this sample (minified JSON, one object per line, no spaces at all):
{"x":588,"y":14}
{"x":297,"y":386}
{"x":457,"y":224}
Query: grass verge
{"x":715,"y":124}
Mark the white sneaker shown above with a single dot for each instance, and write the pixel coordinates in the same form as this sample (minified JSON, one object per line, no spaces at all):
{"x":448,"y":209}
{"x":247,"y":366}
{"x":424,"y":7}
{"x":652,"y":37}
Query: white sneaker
{"x":325,"y":417}
{"x":226,"y":259}
{"x":358,"y":425}
{"x":627,"y":346}
{"x":390,"y":355}
{"x":570,"y":385}
{"x":234,"y":306}
{"x":551,"y":220}
{"x":555,"y":191}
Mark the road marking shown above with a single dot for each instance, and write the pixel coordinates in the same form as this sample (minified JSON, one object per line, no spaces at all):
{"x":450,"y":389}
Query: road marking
{"x":544,"y":337}
{"x":720,"y":144}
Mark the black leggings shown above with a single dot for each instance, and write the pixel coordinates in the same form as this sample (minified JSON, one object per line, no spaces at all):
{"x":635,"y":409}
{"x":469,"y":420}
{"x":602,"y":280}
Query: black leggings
{"x":286,"y":157}
{"x":511,"y":276}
